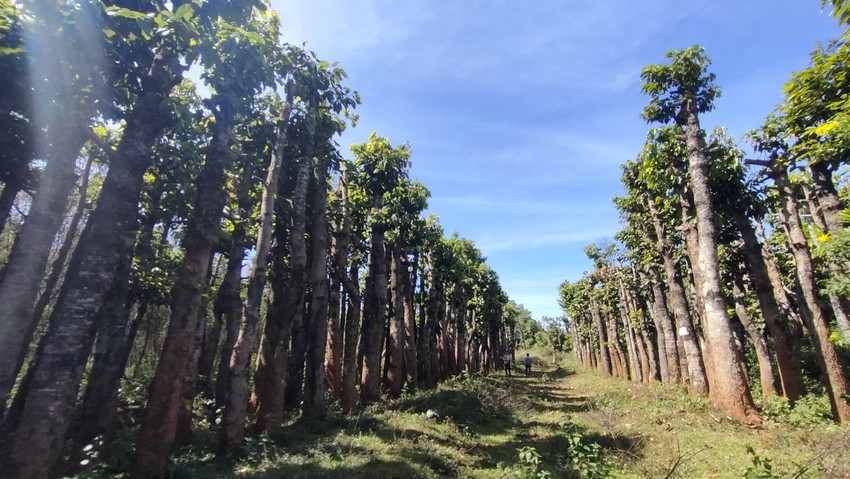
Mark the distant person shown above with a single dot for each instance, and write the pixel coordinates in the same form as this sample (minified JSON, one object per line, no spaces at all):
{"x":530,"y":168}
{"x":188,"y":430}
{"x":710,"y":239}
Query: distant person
{"x":507,"y":359}
{"x":527,"y":365}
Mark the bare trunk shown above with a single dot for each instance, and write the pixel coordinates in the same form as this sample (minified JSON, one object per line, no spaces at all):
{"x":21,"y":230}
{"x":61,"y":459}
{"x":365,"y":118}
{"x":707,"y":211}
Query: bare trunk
{"x":352,"y":328}
{"x":698,"y":370}
{"x":395,"y":341}
{"x":229,"y":306}
{"x":22,"y":274}
{"x":236,"y":403}
{"x":668,"y":350}
{"x":602,"y":332}
{"x":374,"y":314}
{"x":97,"y":413}
{"x":756,"y":335}
{"x":409,"y":321}
{"x":775,"y":312}
{"x":287,"y":300}
{"x":334,"y":346}
{"x":317,"y":328}
{"x":293,"y":388}
{"x":157,"y":434}
{"x":730,"y":390}
{"x":835,"y":377}
{"x":64,"y":350}
{"x":68,"y":242}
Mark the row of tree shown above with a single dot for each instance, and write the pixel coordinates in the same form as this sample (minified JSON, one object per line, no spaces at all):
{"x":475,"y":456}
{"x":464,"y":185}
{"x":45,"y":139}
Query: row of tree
{"x":732,"y":272}
{"x":131,"y":200}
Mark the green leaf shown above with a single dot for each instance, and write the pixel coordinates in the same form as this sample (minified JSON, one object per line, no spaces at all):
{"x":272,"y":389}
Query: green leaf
{"x":125,"y":13}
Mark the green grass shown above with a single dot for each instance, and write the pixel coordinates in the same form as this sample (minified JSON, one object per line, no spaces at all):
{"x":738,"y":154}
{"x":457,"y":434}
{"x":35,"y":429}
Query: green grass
{"x":568,"y":423}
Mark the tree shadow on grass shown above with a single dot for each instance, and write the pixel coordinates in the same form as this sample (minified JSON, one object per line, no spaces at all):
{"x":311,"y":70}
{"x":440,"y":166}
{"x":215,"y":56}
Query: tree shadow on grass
{"x":374,"y":469}
{"x":554,"y":448}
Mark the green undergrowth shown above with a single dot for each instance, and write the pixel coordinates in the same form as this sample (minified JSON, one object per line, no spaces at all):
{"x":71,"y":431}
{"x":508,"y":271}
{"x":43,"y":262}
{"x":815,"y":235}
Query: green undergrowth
{"x":558,"y":423}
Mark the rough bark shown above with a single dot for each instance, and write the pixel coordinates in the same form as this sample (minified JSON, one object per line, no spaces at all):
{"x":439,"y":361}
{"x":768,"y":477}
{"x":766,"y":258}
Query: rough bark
{"x":97,"y":412}
{"x":64,"y":350}
{"x":352,"y":339}
{"x":157,"y":434}
{"x":756,"y":335}
{"x":286,"y":303}
{"x":293,"y":388}
{"x":838,"y":387}
{"x":395,"y":340}
{"x":668,"y":354}
{"x":228,"y":305}
{"x":236,"y":403}
{"x":314,"y":381}
{"x":684,"y":328}
{"x":408,"y":276}
{"x":602,"y":332}
{"x":775,"y":311}
{"x":23,"y":273}
{"x":634,"y":363}
{"x":68,"y":242}
{"x":730,"y":390}
{"x":374,"y":314}
{"x":698,"y":367}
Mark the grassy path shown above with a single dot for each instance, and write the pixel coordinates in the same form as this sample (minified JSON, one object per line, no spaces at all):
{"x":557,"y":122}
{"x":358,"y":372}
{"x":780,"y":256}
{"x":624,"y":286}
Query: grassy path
{"x":558,"y":423}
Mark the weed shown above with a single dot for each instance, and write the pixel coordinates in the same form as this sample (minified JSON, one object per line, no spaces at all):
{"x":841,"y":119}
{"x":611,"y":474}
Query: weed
{"x":762,"y":467}
{"x":530,"y":464}
{"x":586,"y":459}
{"x":808,"y":410}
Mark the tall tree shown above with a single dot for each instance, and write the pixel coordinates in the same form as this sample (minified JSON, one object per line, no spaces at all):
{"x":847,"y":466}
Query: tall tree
{"x":680,"y":92}
{"x":55,"y":376}
{"x":238,"y":67}
{"x":381,"y":166}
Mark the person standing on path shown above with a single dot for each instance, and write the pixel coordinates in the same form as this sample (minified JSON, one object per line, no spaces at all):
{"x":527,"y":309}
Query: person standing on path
{"x":527,"y":365}
{"x":507,"y":359}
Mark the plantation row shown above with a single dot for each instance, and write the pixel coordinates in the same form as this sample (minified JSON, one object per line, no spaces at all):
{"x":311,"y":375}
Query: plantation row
{"x":133,"y":294}
{"x":733,"y":273}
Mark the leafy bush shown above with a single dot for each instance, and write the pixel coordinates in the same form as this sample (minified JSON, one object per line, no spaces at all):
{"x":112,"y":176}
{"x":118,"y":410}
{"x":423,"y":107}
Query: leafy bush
{"x":809,"y":409}
{"x":586,"y":459}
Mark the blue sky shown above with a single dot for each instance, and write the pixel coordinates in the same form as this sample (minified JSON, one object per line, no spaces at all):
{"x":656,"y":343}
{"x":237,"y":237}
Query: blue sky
{"x":519,"y":113}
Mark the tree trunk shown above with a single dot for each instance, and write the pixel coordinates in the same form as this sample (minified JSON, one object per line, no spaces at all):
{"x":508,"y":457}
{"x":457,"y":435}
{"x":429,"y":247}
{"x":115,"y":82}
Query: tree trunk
{"x":22,"y":274}
{"x":286,"y":303}
{"x":774,"y":311}
{"x":334,"y":346}
{"x":64,"y":350}
{"x":635,"y":371}
{"x":668,"y":352}
{"x":186,"y":412}
{"x":395,"y":342}
{"x":317,"y":328}
{"x":684,"y":328}
{"x":233,"y":423}
{"x":730,"y":390}
{"x":339,"y":253}
{"x":159,"y":426}
{"x":698,"y":370}
{"x":97,"y":412}
{"x":835,"y":377}
{"x":602,"y":332}
{"x":7,"y":201}
{"x":766,"y":378}
{"x":293,"y":387}
{"x":68,"y":242}
{"x":352,"y":328}
{"x":228,"y":305}
{"x":374,"y":314}
{"x":408,"y":278}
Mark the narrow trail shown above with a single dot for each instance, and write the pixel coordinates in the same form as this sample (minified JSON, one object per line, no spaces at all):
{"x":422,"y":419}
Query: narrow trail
{"x":657,"y":431}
